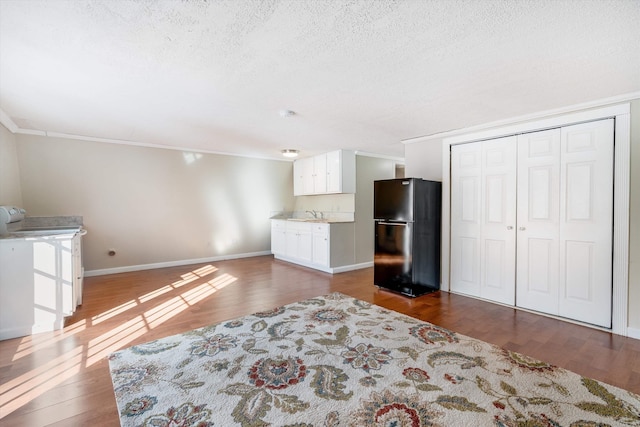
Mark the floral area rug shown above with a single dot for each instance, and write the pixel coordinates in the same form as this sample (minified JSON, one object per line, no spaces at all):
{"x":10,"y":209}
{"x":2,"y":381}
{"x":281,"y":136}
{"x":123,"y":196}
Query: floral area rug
{"x":338,"y":361}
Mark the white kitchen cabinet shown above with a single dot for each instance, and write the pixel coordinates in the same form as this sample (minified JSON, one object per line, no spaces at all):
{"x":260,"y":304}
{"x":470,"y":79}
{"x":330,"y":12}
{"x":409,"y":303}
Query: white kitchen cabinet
{"x":299,"y":171}
{"x":78,"y":269}
{"x":319,"y":174}
{"x":311,"y":175}
{"x":278,"y":237}
{"x":307,"y":173}
{"x":320,"y":238}
{"x":341,"y":172}
{"x":323,"y":246}
{"x":39,"y":283}
{"x":298,"y":240}
{"x":332,"y":172}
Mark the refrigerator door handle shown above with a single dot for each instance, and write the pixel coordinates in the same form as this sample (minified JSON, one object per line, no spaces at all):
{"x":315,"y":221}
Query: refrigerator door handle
{"x":392,"y":223}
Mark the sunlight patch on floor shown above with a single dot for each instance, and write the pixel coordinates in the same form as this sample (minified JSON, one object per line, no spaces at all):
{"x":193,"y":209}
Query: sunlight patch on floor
{"x":21,"y":390}
{"x":113,"y":312}
{"x":37,"y":342}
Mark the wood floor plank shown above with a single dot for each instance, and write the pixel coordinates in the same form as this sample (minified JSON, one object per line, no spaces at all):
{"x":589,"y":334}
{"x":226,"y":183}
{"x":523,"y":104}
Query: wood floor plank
{"x":62,"y":378}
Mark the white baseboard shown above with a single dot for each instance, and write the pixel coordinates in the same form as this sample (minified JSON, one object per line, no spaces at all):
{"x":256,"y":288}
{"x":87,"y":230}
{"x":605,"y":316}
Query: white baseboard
{"x":21,"y":331}
{"x":331,"y":270}
{"x":353,"y":267}
{"x":129,"y":268}
{"x":633,"y":333}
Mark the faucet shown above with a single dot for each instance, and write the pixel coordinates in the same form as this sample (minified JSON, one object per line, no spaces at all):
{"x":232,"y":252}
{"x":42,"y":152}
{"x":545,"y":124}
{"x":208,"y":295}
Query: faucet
{"x":315,"y":214}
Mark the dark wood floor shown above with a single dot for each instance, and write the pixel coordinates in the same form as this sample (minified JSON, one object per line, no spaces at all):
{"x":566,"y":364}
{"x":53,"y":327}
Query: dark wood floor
{"x":62,"y":378}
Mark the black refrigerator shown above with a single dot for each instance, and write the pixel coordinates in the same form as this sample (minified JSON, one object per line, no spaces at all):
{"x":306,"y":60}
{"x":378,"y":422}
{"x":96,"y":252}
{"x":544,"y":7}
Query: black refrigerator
{"x":407,"y":214}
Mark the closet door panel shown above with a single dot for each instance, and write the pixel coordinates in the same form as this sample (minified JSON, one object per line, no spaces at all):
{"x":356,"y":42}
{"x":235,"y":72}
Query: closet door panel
{"x":498,"y":246}
{"x":465,"y":218}
{"x":586,"y":210}
{"x":542,"y":278}
{"x":538,"y":221}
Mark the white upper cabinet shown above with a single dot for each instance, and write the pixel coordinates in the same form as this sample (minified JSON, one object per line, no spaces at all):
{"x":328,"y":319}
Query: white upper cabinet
{"x":341,"y":172}
{"x":319,"y":174}
{"x":333,"y":172}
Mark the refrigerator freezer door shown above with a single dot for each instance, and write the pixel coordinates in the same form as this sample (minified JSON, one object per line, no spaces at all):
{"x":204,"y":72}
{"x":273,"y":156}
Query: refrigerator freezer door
{"x":392,"y":260}
{"x":393,"y":200}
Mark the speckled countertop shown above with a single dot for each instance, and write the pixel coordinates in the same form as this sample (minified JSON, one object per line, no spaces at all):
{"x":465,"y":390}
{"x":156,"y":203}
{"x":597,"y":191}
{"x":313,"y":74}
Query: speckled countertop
{"x":42,"y":226}
{"x":327,"y":217}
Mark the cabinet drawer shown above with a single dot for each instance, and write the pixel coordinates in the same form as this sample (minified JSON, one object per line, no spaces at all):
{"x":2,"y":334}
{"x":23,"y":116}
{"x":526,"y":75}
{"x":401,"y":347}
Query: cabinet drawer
{"x":322,"y":229}
{"x":278,"y":224}
{"x":304,"y":227}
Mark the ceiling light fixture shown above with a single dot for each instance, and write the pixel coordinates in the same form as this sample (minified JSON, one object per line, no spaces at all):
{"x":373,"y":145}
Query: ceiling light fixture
{"x":290,"y":152}
{"x":286,"y":113}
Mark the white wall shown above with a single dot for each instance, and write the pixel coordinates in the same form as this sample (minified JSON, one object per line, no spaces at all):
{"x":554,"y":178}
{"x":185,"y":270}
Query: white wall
{"x":154,"y":205}
{"x":424,"y":160}
{"x":10,"y":189}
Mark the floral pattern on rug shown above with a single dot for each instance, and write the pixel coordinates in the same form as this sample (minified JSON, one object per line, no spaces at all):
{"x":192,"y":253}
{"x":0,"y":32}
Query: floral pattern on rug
{"x":336,"y":361}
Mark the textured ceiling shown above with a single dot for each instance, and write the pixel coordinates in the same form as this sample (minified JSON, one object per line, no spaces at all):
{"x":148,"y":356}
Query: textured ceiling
{"x":363,"y":75}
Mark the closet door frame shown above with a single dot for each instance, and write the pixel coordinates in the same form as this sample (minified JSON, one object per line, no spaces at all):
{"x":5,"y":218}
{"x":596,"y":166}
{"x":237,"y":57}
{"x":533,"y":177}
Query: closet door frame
{"x":622,"y":141}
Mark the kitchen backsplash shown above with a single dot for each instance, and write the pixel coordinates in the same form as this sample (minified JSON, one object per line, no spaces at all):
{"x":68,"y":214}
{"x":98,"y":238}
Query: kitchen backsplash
{"x":327,"y":203}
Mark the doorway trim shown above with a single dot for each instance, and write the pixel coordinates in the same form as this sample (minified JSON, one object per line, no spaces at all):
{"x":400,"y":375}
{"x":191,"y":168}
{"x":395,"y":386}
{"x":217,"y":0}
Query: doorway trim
{"x":622,"y":146}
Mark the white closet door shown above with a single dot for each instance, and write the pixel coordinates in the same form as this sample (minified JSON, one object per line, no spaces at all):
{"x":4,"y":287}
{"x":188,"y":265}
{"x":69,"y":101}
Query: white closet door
{"x":466,"y":185}
{"x":498,"y":213}
{"x":586,"y":212}
{"x":538,"y":221}
{"x":483,"y":205}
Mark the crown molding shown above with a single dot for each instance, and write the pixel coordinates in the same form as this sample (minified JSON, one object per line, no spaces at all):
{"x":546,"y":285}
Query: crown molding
{"x":7,"y":122}
{"x":380,"y":156}
{"x":527,"y":117}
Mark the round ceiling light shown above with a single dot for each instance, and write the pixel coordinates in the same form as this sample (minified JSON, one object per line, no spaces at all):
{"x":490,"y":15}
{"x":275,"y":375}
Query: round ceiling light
{"x":290,"y":152}
{"x":286,"y":113}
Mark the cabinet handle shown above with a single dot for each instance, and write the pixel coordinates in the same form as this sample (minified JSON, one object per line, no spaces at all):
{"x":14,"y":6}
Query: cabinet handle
{"x":522,"y":228}
{"x":509,"y":227}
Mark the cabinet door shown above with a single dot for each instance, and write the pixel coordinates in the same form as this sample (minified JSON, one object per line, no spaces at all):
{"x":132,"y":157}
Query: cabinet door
{"x":16,"y":288}
{"x":320,"y":174}
{"x":66,"y":277}
{"x":586,"y":222}
{"x":538,"y":221}
{"x":320,"y":251}
{"x":298,"y":177}
{"x":305,"y":244}
{"x":341,"y":171}
{"x":78,"y":273}
{"x":291,"y":245}
{"x":334,"y":172}
{"x":306,"y":166}
{"x":278,"y":237}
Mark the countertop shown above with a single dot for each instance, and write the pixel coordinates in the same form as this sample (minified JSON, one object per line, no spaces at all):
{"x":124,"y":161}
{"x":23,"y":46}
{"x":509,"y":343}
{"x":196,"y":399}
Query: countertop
{"x":325,"y":217}
{"x":45,"y":226}
{"x":314,"y":220}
